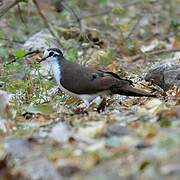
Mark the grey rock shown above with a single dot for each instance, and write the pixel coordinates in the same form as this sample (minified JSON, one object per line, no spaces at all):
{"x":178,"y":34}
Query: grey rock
{"x":68,"y":171}
{"x":39,"y":168}
{"x":112,"y":170}
{"x":165,"y":75}
{"x":40,"y":41}
{"x":116,"y":130}
{"x":18,"y":147}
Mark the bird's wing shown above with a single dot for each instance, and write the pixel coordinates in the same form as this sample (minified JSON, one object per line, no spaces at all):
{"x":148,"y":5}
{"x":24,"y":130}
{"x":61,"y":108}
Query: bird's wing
{"x":83,"y":80}
{"x":117,"y":76}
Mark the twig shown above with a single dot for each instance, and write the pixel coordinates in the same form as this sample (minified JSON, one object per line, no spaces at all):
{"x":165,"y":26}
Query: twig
{"x":27,"y":54}
{"x":157,"y":52}
{"x":134,"y":27}
{"x":108,"y":10}
{"x":45,"y":21}
{"x":21,"y":17}
{"x":67,"y":7}
{"x":6,"y":5}
{"x":102,"y":13}
{"x":96,"y":14}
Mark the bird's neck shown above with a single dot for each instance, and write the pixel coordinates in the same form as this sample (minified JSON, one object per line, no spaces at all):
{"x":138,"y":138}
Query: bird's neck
{"x":56,"y":68}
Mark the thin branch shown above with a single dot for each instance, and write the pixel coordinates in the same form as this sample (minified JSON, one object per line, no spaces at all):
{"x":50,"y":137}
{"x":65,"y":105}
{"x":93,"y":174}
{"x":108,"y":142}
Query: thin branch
{"x":6,"y":5}
{"x":96,"y":14}
{"x":134,"y":27}
{"x":45,"y":21}
{"x":72,"y":11}
{"x":21,"y":17}
{"x":109,"y":10}
{"x":27,"y":54}
{"x":102,"y":13}
{"x":157,"y":52}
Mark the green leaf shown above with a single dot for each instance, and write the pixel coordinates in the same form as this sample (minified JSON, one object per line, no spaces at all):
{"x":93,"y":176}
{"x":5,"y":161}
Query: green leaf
{"x":106,"y":57}
{"x":165,"y":122}
{"x":45,"y":109}
{"x":72,"y":54}
{"x":144,"y":164}
{"x":48,"y":84}
{"x":2,"y":33}
{"x":118,"y":10}
{"x":20,"y":53}
{"x":102,"y":2}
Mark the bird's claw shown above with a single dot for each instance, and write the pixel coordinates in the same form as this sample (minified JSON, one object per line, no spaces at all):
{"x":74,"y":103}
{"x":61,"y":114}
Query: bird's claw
{"x":81,"y":111}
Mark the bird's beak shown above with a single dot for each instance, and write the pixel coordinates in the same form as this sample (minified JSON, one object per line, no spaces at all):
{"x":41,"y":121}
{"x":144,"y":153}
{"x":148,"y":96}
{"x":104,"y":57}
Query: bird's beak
{"x":43,"y":59}
{"x":45,"y":56}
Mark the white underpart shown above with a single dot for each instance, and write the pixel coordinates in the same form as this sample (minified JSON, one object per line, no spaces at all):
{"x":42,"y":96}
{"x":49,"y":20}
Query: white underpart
{"x":86,"y":98}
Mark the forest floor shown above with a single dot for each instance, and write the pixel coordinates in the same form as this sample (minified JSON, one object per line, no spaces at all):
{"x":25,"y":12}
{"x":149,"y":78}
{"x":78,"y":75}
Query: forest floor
{"x":42,"y":135}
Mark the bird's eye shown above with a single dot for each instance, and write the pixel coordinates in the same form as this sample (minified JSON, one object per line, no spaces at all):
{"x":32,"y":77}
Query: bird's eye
{"x":51,"y":53}
{"x":94,"y":76}
{"x":55,"y":55}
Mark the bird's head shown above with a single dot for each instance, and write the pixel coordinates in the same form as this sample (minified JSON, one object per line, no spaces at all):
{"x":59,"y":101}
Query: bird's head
{"x":52,"y":54}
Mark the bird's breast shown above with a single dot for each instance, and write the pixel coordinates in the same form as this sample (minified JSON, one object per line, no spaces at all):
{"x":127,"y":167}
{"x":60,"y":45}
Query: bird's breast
{"x":56,"y":69}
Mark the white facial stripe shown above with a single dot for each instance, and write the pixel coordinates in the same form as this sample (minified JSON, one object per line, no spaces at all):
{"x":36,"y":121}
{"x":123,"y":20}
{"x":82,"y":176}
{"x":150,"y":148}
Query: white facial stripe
{"x":55,"y":53}
{"x":46,"y":54}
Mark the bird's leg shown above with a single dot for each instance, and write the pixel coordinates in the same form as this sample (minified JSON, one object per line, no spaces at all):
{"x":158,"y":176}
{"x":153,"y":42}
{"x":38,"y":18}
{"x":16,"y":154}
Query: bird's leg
{"x":102,"y":105}
{"x":82,"y":109}
{"x":87,"y":102}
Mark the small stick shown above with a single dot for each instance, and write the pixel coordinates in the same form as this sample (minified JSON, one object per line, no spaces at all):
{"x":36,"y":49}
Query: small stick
{"x":157,"y":52}
{"x":78,"y":19}
{"x":45,"y":21}
{"x":21,"y":17}
{"x":27,"y":54}
{"x":134,"y":27}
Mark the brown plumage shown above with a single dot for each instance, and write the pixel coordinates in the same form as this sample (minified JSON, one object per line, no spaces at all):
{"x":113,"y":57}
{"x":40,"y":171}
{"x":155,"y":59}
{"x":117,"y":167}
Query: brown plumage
{"x":87,"y":83}
{"x":85,"y":80}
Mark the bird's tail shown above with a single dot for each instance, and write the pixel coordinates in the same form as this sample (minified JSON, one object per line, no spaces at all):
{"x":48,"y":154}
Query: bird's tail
{"x":131,"y":91}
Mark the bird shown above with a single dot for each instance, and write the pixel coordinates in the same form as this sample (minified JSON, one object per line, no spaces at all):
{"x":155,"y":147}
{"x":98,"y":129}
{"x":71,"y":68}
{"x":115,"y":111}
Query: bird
{"x":87,"y":83}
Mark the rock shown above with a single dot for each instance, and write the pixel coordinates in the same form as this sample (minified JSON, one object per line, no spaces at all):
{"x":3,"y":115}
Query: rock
{"x":67,"y":168}
{"x":29,"y":159}
{"x":171,"y":169}
{"x":60,"y":132}
{"x":142,"y":145}
{"x":18,"y":147}
{"x":40,"y":41}
{"x":4,"y":99}
{"x":4,"y":109}
{"x":39,"y":168}
{"x":165,"y":74}
{"x":115,"y":169}
{"x":116,"y":130}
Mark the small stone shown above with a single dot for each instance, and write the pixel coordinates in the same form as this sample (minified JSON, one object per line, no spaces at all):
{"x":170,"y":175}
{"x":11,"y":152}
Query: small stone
{"x":39,"y":168}
{"x":116,"y":130}
{"x":143,"y":145}
{"x":67,"y":168}
{"x":165,"y":75}
{"x":40,"y":41}
{"x":18,"y":147}
{"x":60,"y":132}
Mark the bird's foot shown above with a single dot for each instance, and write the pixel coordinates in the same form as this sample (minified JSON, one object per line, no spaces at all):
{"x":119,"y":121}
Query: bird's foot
{"x":81,"y":110}
{"x":102,"y":106}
